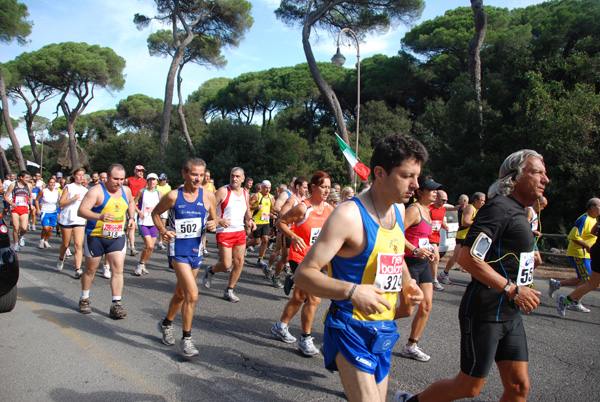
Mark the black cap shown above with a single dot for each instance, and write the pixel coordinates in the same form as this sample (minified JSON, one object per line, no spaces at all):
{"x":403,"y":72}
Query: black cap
{"x":431,"y":185}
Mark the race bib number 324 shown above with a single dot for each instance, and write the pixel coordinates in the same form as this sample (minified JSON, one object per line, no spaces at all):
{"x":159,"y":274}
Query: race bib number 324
{"x":389,"y":272}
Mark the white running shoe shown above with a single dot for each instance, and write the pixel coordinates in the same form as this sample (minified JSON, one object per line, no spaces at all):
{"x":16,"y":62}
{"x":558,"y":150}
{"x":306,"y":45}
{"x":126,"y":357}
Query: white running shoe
{"x":414,"y":352}
{"x":46,"y":244}
{"x":139,"y":271}
{"x":106,"y":271}
{"x":68,"y":253}
{"x":444,"y":278}
{"x":577,"y":306}
{"x":437,"y":286}
{"x":307,"y":346}
{"x":553,"y":286}
{"x":16,"y":247}
{"x":187,"y":348}
{"x":229,"y":295}
{"x":33,"y":227}
{"x":561,"y":306}
{"x":161,"y":245}
{"x":22,"y":241}
{"x":78,"y":273}
{"x":283,"y":334}
{"x":41,"y":245}
{"x":59,"y":265}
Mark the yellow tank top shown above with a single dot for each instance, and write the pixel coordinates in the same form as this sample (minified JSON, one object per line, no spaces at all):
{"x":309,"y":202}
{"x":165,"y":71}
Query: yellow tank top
{"x":462,"y":233}
{"x":262,"y":216}
{"x":111,"y":205}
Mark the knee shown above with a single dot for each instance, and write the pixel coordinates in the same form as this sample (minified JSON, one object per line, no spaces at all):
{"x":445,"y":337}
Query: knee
{"x":226,"y":263}
{"x":191,"y":298}
{"x":313,"y":301}
{"x":519,"y":388}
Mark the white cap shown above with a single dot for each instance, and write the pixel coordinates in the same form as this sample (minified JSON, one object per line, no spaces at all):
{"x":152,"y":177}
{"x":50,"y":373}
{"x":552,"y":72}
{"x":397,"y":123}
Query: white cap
{"x":265,"y":183}
{"x":152,"y":176}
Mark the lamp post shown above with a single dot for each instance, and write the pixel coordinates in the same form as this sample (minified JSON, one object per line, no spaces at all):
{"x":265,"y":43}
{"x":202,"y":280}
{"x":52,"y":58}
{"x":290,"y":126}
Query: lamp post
{"x":338,"y":59}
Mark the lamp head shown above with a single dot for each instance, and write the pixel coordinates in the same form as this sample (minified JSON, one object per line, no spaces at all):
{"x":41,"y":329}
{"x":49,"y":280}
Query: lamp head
{"x":338,"y":59}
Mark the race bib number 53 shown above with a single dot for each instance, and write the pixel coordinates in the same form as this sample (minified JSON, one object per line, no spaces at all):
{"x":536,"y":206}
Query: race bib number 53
{"x":389,"y":272}
{"x":525,"y":276}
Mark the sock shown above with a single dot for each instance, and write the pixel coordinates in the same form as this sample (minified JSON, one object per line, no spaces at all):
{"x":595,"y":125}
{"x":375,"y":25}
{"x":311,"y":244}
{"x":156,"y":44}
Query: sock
{"x":414,"y":398}
{"x":116,"y":299}
{"x":228,"y":289}
{"x":281,"y":325}
{"x":187,"y":334}
{"x":211,"y":271}
{"x":305,"y":335}
{"x":568,"y":300}
{"x":166,"y":322}
{"x":85,"y":294}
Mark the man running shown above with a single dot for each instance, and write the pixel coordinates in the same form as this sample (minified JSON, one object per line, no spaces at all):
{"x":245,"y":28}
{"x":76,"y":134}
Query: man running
{"x":10,"y":179}
{"x":438,"y":222}
{"x":18,"y":195}
{"x":261,"y":204}
{"x":164,"y":187}
{"x":106,"y":207}
{"x":135,"y":183}
{"x":189,"y":207}
{"x":234,"y":215}
{"x":363,"y":243}
{"x":498,"y":253}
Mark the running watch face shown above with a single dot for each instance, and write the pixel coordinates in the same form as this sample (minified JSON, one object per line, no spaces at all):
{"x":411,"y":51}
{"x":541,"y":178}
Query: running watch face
{"x":481,"y":246}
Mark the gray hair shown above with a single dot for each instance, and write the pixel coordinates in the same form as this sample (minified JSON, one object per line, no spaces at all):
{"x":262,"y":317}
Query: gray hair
{"x":511,"y":171}
{"x":235,"y":169}
{"x":592,"y":202}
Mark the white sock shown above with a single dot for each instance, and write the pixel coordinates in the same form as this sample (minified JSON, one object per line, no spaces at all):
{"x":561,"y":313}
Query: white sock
{"x":85,"y":294}
{"x":281,"y":324}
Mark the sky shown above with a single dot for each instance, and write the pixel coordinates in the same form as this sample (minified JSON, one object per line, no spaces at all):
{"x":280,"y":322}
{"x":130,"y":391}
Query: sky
{"x":268,"y":44}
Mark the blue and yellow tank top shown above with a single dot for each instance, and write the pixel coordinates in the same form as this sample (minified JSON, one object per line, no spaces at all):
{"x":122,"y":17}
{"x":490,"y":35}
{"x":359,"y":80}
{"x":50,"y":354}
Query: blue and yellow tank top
{"x":362,"y":269}
{"x":262,"y":216}
{"x":188,"y":221}
{"x":111,"y":205}
{"x":463,"y":230}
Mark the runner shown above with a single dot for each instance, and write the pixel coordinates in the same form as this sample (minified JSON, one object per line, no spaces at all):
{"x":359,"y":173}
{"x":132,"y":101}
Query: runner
{"x":308,"y":218}
{"x":207,"y":185}
{"x":534,"y":219}
{"x":18,"y":196}
{"x":189,"y":207}
{"x":261,"y":204}
{"x":164,"y":187}
{"x":10,"y":179}
{"x":46,"y":202}
{"x":37,"y":184}
{"x":135,"y":183}
{"x":438,"y":222}
{"x":498,"y":253}
{"x":363,"y":243}
{"x":71,"y":224}
{"x":106,"y":207}
{"x":419,"y":253}
{"x":145,"y":201}
{"x":234,"y":214}
{"x":347,"y":193}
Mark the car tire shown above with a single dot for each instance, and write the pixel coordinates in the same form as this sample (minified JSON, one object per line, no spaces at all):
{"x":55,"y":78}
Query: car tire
{"x":8,"y":300}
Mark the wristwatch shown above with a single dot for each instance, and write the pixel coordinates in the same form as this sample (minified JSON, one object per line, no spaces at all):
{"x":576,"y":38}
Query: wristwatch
{"x":416,"y":251}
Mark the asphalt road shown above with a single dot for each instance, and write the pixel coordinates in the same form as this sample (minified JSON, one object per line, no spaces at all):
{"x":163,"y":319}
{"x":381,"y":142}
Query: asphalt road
{"x":51,"y":352}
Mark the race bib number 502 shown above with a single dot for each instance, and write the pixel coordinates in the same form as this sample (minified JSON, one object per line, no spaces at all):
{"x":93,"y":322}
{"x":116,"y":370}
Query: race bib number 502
{"x":389,"y":272}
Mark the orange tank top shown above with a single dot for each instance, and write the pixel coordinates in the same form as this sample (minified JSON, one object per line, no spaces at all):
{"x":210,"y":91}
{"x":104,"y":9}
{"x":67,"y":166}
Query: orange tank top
{"x":308,"y":228}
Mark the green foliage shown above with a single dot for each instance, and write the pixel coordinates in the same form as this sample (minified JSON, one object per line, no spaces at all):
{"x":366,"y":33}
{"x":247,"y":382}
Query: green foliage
{"x":13,"y":23}
{"x":140,"y":112}
{"x":129,"y":149}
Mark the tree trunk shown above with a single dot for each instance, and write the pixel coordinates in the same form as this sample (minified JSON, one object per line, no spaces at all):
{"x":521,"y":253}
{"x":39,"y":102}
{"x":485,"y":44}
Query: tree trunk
{"x":475,"y":53}
{"x":7,"y":170}
{"x":8,"y":124}
{"x":325,"y":89}
{"x":72,"y":144}
{"x":184,"y":128}
{"x":32,"y":141}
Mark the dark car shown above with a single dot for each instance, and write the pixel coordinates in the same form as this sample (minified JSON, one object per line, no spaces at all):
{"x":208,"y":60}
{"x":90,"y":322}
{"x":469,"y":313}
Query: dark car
{"x":9,"y":270}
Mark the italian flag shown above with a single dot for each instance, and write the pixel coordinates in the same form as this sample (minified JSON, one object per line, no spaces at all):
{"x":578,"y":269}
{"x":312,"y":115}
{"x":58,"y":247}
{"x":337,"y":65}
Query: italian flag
{"x":361,"y":169}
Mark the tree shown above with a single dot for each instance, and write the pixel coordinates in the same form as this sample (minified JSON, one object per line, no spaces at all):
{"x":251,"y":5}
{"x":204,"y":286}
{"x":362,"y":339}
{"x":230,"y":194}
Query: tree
{"x":76,"y":69}
{"x":140,"y":113}
{"x":13,"y":26}
{"x":475,"y":51}
{"x":362,"y":16}
{"x":222,"y":21}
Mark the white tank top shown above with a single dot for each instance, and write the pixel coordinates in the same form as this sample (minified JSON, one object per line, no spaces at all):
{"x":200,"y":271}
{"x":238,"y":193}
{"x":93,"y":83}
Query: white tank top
{"x":234,"y":208}
{"x":147,"y":203}
{"x":68,"y":214}
{"x":49,"y":200}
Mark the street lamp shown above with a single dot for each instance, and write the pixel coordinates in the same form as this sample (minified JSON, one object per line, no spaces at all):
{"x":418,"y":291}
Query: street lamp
{"x":338,"y":59}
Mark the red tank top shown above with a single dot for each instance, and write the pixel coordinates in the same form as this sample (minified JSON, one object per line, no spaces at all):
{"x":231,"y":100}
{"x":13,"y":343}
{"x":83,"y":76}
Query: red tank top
{"x":308,"y":228}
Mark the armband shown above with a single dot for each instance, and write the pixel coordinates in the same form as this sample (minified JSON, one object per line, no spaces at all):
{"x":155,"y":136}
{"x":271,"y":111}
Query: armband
{"x":516,"y":293}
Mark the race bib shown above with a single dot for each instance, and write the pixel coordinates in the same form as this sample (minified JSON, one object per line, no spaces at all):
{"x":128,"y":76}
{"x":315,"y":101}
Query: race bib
{"x":113,"y":230}
{"x":188,"y":228}
{"x":424,"y":243}
{"x":389,"y":272}
{"x":314,"y":233}
{"x":20,"y":201}
{"x":436,"y":225}
{"x":534,"y":224}
{"x":525,"y":275}
{"x":148,"y":210}
{"x":265,"y":217}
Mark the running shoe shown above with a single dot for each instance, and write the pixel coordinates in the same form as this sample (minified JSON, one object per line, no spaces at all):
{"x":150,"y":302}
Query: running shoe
{"x":287,"y":269}
{"x":22,"y":241}
{"x":561,"y":307}
{"x":276,"y":281}
{"x":577,"y":306}
{"x":553,"y":286}
{"x":267,"y":271}
{"x":68,"y":253}
{"x":41,"y":245}
{"x":16,"y":247}
{"x":414,"y":352}
{"x":106,"y":271}
{"x":288,"y":284}
{"x":230,"y":296}
{"x":133,"y":252}
{"x":307,"y":346}
{"x":78,"y":273}
{"x":437,"y":286}
{"x":46,"y":244}
{"x":402,"y":396}
{"x":206,"y":253}
{"x":33,"y":227}
{"x":161,"y":246}
{"x":207,"y":280}
{"x":262,"y":264}
{"x":187,"y":348}
{"x":59,"y":265}
{"x":283,"y":334}
{"x":251,"y":249}
{"x":116,"y":311}
{"x":167,"y":333}
{"x":444,"y":278}
{"x":85,"y":306}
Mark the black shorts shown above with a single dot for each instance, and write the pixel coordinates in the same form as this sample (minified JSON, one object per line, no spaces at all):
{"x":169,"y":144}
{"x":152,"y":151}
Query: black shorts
{"x":483,"y":342}
{"x":293,"y":266}
{"x":460,"y":241}
{"x":419,"y":269}
{"x":95,"y":246}
{"x":286,"y":242}
{"x":595,"y":256}
{"x":261,"y":230}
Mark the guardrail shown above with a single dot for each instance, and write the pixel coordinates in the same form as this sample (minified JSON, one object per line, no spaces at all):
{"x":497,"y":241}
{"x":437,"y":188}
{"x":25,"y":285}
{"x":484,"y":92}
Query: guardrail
{"x":552,"y":253}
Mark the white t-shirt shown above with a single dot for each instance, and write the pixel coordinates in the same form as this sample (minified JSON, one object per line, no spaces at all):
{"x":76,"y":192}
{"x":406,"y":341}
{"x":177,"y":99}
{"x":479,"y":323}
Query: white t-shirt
{"x":68,"y":214}
{"x":49,"y":200}
{"x":148,"y":201}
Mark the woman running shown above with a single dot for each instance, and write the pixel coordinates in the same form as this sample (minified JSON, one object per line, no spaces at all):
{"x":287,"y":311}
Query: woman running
{"x":308,"y":217}
{"x":145,"y":201}
{"x":71,"y":225}
{"x":46,"y":202}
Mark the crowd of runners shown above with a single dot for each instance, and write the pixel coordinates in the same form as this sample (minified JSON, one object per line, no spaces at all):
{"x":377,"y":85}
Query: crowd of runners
{"x":375,"y":254}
